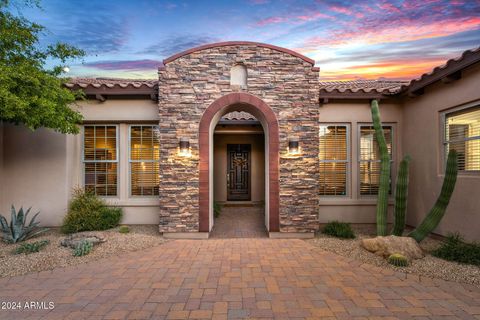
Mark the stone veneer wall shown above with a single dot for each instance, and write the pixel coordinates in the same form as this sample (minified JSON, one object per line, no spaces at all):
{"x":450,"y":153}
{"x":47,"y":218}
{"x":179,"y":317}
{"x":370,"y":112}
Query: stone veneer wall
{"x":189,"y":84}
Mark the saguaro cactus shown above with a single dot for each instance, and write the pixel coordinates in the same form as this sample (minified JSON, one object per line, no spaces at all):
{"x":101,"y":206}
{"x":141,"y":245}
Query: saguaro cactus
{"x":384,"y":186}
{"x":433,"y":218}
{"x":401,"y":193}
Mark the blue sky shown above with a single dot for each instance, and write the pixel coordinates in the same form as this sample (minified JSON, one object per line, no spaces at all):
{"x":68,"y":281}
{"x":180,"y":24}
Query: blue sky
{"x":347,"y":39}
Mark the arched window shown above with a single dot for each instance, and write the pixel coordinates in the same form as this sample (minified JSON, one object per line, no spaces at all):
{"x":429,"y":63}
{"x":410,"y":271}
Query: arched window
{"x":238,"y":75}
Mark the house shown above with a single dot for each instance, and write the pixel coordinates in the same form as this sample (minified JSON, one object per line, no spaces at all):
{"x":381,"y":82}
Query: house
{"x":252,"y":123}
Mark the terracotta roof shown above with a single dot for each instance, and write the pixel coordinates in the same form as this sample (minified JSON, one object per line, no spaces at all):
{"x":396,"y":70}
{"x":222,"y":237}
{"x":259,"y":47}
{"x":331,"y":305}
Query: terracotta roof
{"x":110,"y":83}
{"x":102,"y":87}
{"x":239,"y":115}
{"x":363,"y":86}
{"x":451,"y":67}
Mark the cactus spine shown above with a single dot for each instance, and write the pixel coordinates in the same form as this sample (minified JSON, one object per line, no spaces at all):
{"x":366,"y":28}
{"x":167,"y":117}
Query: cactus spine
{"x":398,"y":260}
{"x":433,"y":218}
{"x":401,"y":193}
{"x":384,"y":186}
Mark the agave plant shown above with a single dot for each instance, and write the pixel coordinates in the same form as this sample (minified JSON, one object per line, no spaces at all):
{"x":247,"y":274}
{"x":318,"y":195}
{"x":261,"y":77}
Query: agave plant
{"x":18,"y":229}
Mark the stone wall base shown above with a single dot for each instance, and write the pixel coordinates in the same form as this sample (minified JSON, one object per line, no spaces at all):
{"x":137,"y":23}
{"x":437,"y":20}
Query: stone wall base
{"x":291,"y":235}
{"x":185,"y":235}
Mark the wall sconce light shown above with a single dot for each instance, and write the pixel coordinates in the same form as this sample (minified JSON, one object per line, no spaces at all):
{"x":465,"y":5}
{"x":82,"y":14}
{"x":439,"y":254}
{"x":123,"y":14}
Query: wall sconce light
{"x":293,"y":148}
{"x":184,"y":148}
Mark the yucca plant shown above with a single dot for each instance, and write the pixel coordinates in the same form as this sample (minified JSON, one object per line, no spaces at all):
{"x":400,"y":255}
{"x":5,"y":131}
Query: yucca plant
{"x":83,"y":248}
{"x":398,"y":260}
{"x":18,"y":229}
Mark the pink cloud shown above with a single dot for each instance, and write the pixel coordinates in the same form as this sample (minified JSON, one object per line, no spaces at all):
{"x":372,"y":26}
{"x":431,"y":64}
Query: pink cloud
{"x":388,"y":7}
{"x":402,"y":30}
{"x":340,"y":9}
{"x":311,"y":16}
{"x":125,"y":64}
{"x":271,"y":20}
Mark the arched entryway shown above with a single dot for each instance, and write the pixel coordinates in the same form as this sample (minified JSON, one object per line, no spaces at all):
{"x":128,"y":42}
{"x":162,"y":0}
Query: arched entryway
{"x":259,"y":109}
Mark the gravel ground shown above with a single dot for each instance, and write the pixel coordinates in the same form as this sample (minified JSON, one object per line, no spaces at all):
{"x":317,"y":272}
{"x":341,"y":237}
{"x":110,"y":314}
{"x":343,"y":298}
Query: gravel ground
{"x":54,"y":255}
{"x":429,"y":266}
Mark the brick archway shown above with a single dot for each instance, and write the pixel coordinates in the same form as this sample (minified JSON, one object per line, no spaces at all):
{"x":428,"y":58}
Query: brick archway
{"x":259,"y":109}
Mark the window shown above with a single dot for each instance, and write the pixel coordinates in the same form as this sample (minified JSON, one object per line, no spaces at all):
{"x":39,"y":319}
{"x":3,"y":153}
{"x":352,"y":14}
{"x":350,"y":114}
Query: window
{"x":144,"y":160}
{"x":462,"y":133}
{"x":100,"y":159}
{"x":238,"y":76}
{"x":369,"y":161}
{"x":333,"y":160}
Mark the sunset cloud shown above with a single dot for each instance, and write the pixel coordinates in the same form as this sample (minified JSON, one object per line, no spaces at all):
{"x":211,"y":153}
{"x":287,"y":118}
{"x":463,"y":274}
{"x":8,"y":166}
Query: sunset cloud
{"x":347,"y":39}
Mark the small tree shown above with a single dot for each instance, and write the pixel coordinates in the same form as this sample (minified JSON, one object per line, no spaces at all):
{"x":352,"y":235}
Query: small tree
{"x":31,"y":93}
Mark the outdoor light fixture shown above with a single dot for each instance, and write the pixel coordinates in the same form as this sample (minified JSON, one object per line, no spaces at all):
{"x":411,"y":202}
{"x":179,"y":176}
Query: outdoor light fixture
{"x":293,"y":148}
{"x":184,"y":148}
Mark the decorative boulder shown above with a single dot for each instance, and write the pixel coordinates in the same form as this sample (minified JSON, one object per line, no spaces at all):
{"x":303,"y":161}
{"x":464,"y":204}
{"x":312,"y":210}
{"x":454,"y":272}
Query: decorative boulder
{"x":74,"y":239}
{"x":386,"y":246}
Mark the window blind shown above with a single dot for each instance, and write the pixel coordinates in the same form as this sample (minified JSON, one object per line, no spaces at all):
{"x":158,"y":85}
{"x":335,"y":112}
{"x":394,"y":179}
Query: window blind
{"x":100,"y":159}
{"x":333,"y":160}
{"x":462,"y":133}
{"x":144,"y":160}
{"x":369,"y":160}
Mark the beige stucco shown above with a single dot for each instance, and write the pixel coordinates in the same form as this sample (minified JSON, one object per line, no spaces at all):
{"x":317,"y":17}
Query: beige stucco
{"x":422,"y":140}
{"x":40,"y":168}
{"x":257,"y":164}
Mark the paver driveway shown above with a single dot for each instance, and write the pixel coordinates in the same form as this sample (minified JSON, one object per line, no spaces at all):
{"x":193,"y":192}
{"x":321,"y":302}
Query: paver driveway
{"x":234,"y":278}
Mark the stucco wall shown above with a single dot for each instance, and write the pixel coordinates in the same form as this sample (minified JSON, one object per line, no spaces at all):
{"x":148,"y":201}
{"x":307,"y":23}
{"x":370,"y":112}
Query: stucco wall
{"x":355,"y":208}
{"x":40,"y":168}
{"x":422,"y":140}
{"x":191,"y":83}
{"x":257,"y":178}
{"x":34,"y":169}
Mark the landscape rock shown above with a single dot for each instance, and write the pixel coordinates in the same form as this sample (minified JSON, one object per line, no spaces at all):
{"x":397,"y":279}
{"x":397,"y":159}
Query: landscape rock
{"x":74,"y":239}
{"x":386,"y":246}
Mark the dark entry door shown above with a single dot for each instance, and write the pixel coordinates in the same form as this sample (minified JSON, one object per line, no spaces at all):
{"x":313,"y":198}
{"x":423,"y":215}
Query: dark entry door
{"x":238,"y":172}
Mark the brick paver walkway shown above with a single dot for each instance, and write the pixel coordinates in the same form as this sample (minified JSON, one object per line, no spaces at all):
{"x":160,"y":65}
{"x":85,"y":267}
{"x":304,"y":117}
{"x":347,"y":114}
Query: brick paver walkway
{"x":240,"y":222}
{"x":235,"y":278}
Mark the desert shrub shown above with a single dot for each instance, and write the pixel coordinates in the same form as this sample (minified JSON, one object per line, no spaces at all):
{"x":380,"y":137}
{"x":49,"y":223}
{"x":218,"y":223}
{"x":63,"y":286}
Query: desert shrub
{"x":339,"y":230}
{"x":454,"y":248}
{"x":83,"y":248}
{"x":31,"y":247}
{"x":124,"y":229}
{"x":217,"y":209}
{"x":87,"y":212}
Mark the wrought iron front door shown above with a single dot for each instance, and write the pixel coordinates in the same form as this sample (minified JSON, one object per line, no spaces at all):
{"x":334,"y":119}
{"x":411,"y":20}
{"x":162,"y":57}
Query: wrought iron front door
{"x":238,"y":172}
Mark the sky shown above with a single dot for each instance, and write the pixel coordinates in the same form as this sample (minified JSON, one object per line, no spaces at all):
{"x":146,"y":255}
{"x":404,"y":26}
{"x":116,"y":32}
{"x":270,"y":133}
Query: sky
{"x":349,"y":40}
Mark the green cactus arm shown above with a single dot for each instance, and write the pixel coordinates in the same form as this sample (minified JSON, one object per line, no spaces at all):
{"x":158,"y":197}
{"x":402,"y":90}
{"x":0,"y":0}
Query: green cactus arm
{"x":435,"y":215}
{"x":401,"y":193}
{"x":384,"y":186}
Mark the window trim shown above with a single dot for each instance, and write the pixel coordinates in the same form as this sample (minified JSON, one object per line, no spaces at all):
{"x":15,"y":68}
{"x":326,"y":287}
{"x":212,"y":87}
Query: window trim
{"x":348,"y":161}
{"x":130,"y":161}
{"x":392,"y":125}
{"x":117,"y":153}
{"x":443,"y":139}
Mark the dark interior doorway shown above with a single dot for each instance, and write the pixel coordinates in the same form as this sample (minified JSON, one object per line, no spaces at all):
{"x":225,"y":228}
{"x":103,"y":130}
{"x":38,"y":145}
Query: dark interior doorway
{"x":238,"y":172}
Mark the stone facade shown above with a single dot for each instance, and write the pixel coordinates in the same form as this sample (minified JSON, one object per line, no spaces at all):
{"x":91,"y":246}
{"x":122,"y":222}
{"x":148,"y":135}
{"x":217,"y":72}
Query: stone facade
{"x":189,"y":84}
